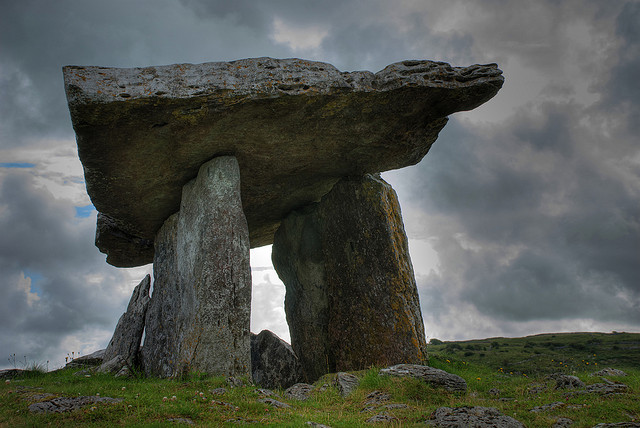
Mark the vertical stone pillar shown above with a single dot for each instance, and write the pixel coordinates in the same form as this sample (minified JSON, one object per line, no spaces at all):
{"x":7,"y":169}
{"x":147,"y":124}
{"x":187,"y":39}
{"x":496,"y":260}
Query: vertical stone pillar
{"x":351,"y":300}
{"x":198,"y":320}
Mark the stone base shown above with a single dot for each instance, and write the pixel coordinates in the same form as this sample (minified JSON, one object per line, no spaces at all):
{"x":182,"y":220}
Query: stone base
{"x":351,"y":300}
{"x":198,"y":318}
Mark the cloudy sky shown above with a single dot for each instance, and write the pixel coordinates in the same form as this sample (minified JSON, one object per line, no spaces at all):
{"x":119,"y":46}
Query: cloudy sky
{"x":524,"y":218}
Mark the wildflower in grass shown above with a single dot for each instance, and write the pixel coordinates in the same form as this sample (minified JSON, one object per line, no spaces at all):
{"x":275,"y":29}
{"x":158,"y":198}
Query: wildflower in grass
{"x":93,"y":408}
{"x":448,"y":361}
{"x":165,"y":399}
{"x":478,"y":378}
{"x":174,"y":398}
{"x":124,"y":387}
{"x":7,"y":381}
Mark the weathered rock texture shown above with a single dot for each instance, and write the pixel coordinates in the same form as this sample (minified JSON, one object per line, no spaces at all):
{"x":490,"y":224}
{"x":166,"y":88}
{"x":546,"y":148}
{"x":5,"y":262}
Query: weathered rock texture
{"x":198,"y":319}
{"x":477,"y":417}
{"x":430,"y":375}
{"x":351,"y":300}
{"x":273,"y":362}
{"x":295,"y":126}
{"x":128,"y":333}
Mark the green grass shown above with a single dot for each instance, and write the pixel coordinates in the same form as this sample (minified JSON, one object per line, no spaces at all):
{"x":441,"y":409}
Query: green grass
{"x":512,"y":366}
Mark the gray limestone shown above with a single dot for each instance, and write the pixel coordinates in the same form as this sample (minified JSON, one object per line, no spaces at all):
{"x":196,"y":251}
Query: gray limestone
{"x":199,"y":315}
{"x":477,"y":417}
{"x":351,"y":299}
{"x":346,"y":383}
{"x":128,"y":333}
{"x":430,"y":375}
{"x":273,"y":362}
{"x":68,"y":404}
{"x":295,"y":126}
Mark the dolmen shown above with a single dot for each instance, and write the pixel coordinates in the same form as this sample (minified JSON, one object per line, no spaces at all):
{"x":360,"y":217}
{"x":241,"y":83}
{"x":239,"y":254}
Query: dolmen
{"x":191,"y":165}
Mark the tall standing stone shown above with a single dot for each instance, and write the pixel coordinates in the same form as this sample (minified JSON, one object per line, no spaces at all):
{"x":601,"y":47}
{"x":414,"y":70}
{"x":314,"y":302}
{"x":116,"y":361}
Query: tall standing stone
{"x":199,"y":321}
{"x":166,"y":316}
{"x":350,"y":283}
{"x":128,"y":333}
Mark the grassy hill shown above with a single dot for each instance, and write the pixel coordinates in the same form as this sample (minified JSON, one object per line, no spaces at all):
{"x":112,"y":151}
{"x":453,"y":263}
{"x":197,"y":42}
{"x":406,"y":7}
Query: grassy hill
{"x":510,"y":374}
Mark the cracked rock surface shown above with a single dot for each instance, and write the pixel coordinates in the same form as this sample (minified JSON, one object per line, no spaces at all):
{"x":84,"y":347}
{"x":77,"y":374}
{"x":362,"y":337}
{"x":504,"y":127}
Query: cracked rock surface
{"x":295,"y":126}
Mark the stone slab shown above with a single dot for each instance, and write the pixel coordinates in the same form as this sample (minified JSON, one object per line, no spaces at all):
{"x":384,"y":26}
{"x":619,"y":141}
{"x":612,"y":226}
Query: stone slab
{"x":128,"y":333}
{"x":295,"y":126}
{"x":351,"y":300}
{"x":198,"y":319}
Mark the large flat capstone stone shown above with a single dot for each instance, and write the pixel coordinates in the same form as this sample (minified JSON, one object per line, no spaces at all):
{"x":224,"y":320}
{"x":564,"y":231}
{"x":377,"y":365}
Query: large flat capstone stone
{"x":295,"y":126}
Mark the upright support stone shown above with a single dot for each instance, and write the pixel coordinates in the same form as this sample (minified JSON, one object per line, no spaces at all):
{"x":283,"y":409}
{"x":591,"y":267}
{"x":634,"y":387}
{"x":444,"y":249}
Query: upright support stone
{"x":351,"y":299}
{"x":200,"y":311}
{"x":128,"y":333}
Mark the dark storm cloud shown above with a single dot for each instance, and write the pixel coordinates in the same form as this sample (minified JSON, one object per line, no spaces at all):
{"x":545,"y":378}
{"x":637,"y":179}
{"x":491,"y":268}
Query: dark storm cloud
{"x":71,"y":287}
{"x":622,"y":86}
{"x":531,"y":219}
{"x":37,"y":38}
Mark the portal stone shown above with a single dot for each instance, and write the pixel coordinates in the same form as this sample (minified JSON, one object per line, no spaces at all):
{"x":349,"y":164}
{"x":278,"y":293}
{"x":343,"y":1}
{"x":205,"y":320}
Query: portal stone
{"x":200,"y":311}
{"x":351,"y":300}
{"x":128,"y":333}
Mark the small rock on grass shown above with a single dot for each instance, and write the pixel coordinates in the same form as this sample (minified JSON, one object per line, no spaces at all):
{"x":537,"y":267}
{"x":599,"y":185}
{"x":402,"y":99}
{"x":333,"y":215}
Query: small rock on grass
{"x":186,"y":421}
{"x":472,"y":417}
{"x":430,"y":375}
{"x":274,"y":403}
{"x":547,"y":407}
{"x":316,"y":425}
{"x":346,"y":383}
{"x":619,"y":425}
{"x":562,"y":423}
{"x":299,"y":391}
{"x":568,"y":382}
{"x":608,"y":371}
{"x":381,"y":417}
{"x":67,"y":404}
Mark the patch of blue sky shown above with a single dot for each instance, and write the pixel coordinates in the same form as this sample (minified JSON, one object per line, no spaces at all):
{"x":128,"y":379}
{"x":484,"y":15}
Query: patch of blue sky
{"x":36,"y":280}
{"x":17,"y":165}
{"x":85,"y":211}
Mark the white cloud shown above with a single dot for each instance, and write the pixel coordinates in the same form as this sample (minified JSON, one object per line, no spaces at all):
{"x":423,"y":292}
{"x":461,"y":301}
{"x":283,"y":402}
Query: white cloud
{"x":298,"y":37}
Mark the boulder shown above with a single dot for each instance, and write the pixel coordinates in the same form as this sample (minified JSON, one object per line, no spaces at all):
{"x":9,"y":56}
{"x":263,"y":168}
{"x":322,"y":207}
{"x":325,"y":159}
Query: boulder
{"x":568,"y":382}
{"x":299,"y":391}
{"x":351,"y":297}
{"x":273,"y":362}
{"x":295,"y":126}
{"x":198,"y":319}
{"x":608,"y":371}
{"x":69,"y":404}
{"x":274,"y":403}
{"x":346,"y":383}
{"x":477,"y":417}
{"x":430,"y":375}
{"x":117,"y":366}
{"x":128,"y":333}
{"x":94,"y":359}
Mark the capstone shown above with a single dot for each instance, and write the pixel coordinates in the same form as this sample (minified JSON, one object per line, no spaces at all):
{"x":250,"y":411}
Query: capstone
{"x":295,"y":126}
